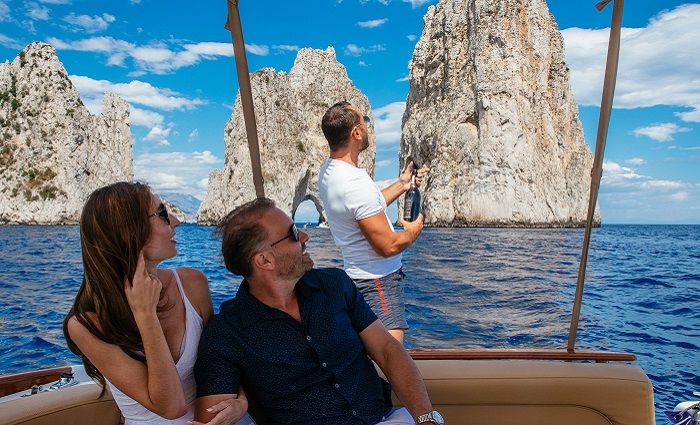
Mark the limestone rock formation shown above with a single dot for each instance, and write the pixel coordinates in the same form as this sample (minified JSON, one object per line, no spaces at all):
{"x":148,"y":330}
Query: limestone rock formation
{"x":491,"y":110}
{"x":53,"y":152}
{"x":288,"y":110}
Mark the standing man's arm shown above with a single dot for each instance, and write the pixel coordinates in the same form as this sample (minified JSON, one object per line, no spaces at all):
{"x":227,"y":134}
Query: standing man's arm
{"x":401,"y":186}
{"x":383,"y":239}
{"x":398,"y":367}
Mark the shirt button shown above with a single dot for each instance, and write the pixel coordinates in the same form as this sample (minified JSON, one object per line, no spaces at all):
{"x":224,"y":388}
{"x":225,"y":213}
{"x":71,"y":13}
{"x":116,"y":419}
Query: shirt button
{"x":354,"y":413}
{"x":337,"y":386}
{"x":308,"y":338}
{"x":323,"y":364}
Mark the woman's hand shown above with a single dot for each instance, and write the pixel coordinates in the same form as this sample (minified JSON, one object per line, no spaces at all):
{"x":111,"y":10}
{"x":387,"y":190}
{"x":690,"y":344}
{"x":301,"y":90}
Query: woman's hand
{"x":143,"y":292}
{"x":227,"y":411}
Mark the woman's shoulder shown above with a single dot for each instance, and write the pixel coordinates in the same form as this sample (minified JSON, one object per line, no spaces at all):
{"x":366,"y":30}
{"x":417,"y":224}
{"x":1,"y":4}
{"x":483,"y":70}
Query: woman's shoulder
{"x":196,"y":287}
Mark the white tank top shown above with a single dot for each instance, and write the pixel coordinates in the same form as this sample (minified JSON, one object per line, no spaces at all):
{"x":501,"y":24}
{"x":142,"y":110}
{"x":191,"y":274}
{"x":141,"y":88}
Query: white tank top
{"x":135,"y":413}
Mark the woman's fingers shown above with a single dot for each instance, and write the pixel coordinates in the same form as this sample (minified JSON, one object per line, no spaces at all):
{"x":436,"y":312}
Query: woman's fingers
{"x":144,"y":292}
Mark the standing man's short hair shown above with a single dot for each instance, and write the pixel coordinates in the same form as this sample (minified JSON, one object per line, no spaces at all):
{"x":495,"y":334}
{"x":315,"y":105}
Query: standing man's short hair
{"x":242,"y":234}
{"x":337,"y":123}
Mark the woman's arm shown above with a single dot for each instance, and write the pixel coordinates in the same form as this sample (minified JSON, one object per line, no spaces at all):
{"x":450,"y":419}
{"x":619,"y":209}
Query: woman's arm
{"x":155,"y":384}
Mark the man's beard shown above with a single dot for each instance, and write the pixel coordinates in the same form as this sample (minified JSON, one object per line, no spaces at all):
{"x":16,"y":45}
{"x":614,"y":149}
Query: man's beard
{"x":291,"y":266}
{"x":365,"y":141}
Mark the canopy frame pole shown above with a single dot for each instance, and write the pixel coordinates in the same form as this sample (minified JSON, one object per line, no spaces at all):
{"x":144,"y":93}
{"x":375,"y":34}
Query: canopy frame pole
{"x":233,"y":24}
{"x":597,"y":171}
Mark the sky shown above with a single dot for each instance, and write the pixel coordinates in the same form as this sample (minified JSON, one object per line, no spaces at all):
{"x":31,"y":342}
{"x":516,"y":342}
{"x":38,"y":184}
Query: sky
{"x":174,"y":64}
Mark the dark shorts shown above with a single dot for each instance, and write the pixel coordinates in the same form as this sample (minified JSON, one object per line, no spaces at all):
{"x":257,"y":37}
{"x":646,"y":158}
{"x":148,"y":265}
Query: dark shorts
{"x":385,"y":296}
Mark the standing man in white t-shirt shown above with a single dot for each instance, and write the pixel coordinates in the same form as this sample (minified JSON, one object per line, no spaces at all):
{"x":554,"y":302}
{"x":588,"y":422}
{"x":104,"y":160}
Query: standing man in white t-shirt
{"x":356,"y":211}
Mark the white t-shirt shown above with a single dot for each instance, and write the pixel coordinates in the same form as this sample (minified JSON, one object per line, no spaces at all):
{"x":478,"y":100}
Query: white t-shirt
{"x":349,"y":195}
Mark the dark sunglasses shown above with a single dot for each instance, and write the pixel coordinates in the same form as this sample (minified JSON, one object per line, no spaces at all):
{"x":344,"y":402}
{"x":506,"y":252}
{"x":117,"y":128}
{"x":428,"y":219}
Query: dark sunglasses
{"x":293,"y":233}
{"x":161,"y":212}
{"x":367,"y":121}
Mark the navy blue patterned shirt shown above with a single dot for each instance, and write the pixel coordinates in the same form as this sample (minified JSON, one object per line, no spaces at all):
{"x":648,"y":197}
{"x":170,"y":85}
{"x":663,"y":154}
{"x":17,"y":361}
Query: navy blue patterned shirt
{"x":314,"y":372}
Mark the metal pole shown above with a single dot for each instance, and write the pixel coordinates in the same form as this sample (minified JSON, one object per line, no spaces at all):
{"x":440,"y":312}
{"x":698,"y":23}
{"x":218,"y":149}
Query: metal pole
{"x":233,"y":24}
{"x":597,"y":172}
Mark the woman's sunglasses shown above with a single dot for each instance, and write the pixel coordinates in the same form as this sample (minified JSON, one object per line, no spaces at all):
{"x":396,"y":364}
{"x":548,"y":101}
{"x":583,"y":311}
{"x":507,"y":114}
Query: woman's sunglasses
{"x":293,"y":233}
{"x":161,"y":212}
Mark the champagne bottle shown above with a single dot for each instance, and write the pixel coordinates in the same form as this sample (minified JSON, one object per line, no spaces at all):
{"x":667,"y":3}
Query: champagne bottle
{"x":411,"y":202}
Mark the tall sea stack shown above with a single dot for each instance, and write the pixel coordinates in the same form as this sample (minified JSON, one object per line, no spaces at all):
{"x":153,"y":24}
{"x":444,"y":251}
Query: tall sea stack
{"x":288,"y":111}
{"x":491,"y":111}
{"x":53,"y":152}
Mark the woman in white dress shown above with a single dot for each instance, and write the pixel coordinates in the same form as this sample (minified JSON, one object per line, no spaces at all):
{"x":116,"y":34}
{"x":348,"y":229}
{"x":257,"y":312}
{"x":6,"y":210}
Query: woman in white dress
{"x":136,"y":326}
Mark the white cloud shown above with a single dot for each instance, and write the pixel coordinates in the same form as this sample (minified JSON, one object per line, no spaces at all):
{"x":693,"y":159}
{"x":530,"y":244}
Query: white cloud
{"x":257,"y":49}
{"x":384,"y":163}
{"x":412,"y":37}
{"x":691,"y":116}
{"x":660,"y":132}
{"x":158,"y":57}
{"x":89,"y":24}
{"x":663,"y":184}
{"x":145,"y":118}
{"x":402,"y":79}
{"x":4,"y":12}
{"x":37,"y":12}
{"x":635,"y":161}
{"x":194,"y":135}
{"x":55,"y":1}
{"x":615,"y":174}
{"x":618,"y":177}
{"x":184,"y":172}
{"x":10,"y":43}
{"x":374,"y":23}
{"x":387,"y":123}
{"x":658,"y":63}
{"x":679,"y":196}
{"x":138,"y":92}
{"x":159,"y":135}
{"x":416,"y":3}
{"x":355,"y":50}
{"x":286,"y":47}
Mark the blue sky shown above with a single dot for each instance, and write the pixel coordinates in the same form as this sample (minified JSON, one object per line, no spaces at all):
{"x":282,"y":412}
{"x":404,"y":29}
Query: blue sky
{"x":173,"y":63}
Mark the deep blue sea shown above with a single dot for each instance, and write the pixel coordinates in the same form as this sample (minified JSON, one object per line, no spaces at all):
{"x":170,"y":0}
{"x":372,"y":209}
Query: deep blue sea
{"x":466,"y":288}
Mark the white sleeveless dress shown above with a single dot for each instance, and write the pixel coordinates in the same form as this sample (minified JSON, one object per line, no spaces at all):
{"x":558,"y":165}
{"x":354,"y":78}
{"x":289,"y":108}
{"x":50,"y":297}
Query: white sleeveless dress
{"x":135,"y":413}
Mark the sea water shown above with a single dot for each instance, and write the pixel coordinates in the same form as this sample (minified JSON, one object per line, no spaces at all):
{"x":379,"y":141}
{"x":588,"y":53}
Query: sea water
{"x":468,"y":288}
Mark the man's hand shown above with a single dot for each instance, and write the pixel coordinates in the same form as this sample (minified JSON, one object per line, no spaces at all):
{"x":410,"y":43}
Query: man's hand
{"x":422,"y":171}
{"x":405,"y":176}
{"x":412,"y":227}
{"x":227,"y":411}
{"x":407,"y":173}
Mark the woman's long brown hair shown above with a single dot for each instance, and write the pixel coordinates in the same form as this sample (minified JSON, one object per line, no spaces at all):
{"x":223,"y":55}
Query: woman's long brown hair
{"x":114,"y":227}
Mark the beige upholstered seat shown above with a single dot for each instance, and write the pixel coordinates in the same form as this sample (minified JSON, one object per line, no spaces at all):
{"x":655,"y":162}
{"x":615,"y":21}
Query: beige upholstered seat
{"x":473,"y":392}
{"x":532,"y":392}
{"x":79,"y":405}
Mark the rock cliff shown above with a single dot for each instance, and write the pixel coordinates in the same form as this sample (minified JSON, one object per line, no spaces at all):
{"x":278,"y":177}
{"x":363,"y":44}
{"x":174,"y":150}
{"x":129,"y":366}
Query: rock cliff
{"x":53,"y":152}
{"x":288,"y":110}
{"x":491,"y":110}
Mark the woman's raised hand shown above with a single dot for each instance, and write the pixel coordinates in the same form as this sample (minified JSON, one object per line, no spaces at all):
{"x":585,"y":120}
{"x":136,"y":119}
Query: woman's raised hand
{"x":143,"y":292}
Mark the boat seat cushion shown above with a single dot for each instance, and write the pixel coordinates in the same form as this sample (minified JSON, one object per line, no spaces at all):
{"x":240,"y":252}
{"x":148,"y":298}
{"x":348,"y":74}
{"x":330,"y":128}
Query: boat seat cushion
{"x":532,"y":392}
{"x":78,"y":405}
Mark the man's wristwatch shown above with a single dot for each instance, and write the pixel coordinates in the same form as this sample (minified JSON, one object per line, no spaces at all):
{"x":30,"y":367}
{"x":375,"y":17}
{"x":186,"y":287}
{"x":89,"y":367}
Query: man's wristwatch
{"x":434,"y":417}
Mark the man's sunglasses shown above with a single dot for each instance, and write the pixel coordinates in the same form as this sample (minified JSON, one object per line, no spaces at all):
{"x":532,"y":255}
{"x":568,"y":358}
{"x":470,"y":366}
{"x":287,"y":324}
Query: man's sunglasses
{"x":161,"y":212}
{"x":293,"y":233}
{"x":367,"y":121}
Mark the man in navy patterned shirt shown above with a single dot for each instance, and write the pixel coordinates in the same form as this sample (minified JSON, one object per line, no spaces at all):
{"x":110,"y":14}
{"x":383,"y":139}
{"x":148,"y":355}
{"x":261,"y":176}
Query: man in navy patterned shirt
{"x":297,"y":339}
